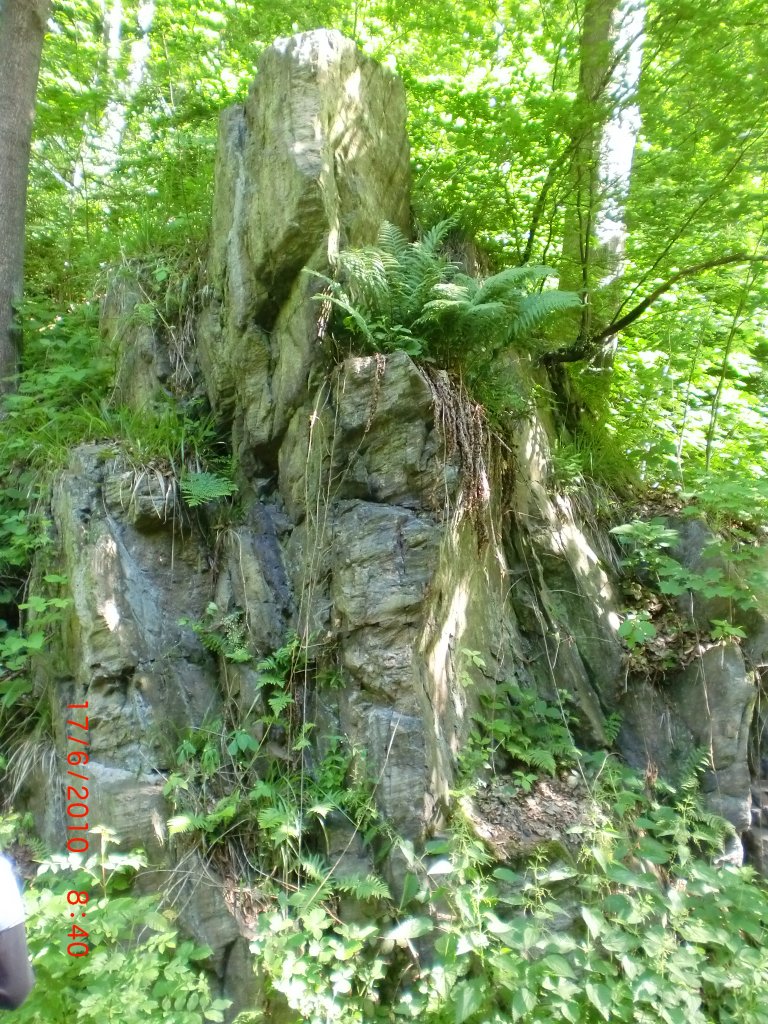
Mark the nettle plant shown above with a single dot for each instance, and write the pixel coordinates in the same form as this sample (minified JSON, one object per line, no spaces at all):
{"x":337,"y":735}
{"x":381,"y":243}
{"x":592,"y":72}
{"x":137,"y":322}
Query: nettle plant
{"x":634,"y":926}
{"x":138,"y":970}
{"x":637,"y":927}
{"x":517,"y":730}
{"x":736,"y":572}
{"x":246,"y":789}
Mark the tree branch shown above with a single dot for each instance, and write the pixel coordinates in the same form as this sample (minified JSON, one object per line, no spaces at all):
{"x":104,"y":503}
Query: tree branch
{"x":697,"y":268}
{"x":588,"y":348}
{"x":541,"y":201}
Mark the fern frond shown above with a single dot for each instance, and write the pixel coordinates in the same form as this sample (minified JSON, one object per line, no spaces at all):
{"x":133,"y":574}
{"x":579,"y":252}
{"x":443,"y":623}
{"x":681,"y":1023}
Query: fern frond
{"x":462,"y":302}
{"x":311,"y":898}
{"x":199,"y":488}
{"x":368,"y":887}
{"x":363,"y":277}
{"x":538,"y":758}
{"x":535,"y":308}
{"x":314,"y":867}
{"x":392,"y":241}
{"x":415,"y":268}
{"x":355,"y":321}
{"x":182,"y":823}
{"x":693,"y":767}
{"x":279,"y":703}
{"x":276,"y":819}
{"x":434,"y":239}
{"x":510,"y":283}
{"x":211,"y":641}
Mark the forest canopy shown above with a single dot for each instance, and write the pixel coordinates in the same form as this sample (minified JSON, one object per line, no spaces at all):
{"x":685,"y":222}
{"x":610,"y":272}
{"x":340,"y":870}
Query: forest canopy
{"x":625,"y":143}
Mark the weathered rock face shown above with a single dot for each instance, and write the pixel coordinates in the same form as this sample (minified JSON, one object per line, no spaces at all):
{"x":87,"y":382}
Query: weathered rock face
{"x":349,"y":525}
{"x":129,"y":587}
{"x":314,"y":161}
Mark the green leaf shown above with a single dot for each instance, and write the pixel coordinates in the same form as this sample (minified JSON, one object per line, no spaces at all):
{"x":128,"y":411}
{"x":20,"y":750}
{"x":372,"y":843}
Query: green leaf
{"x":524,"y":1002}
{"x":35,"y":641}
{"x":600,"y":997}
{"x":198,"y":488}
{"x":652,"y":850}
{"x":411,"y":888}
{"x":467,"y":998}
{"x":594,"y":921}
{"x":558,"y":966}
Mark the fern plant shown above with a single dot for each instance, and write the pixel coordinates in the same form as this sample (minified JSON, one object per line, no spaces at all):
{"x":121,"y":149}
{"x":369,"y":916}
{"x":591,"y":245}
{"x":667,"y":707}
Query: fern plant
{"x":200,"y":487}
{"x":519,"y":726}
{"x":486,"y":317}
{"x":380,"y":291}
{"x":409,"y":296}
{"x":244,"y":790}
{"x":223,"y":634}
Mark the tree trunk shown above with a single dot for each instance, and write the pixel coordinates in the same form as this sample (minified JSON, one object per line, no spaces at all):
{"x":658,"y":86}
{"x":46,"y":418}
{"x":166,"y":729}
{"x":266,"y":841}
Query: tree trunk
{"x":22,"y":28}
{"x":592,"y":113}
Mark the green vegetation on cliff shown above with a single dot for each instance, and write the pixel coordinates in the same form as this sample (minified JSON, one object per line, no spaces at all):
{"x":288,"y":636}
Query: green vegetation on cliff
{"x":615,"y":149}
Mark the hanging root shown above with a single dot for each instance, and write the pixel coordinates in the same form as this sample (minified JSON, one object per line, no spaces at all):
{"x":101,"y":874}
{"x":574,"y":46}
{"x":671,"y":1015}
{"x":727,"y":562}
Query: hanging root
{"x":464,"y":428}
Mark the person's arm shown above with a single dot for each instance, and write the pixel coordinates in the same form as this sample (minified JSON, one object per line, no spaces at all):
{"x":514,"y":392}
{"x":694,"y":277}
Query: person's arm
{"x":16,"y":978}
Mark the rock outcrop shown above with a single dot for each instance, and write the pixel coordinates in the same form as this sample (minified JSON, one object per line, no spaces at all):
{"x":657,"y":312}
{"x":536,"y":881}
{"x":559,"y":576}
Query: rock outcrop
{"x":350,"y":519}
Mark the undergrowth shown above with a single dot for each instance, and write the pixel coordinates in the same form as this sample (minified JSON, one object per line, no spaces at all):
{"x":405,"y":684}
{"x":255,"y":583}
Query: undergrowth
{"x":64,"y":399}
{"x":408,"y":296}
{"x":249,"y":793}
{"x":138,"y":968}
{"x":638,"y":925}
{"x":635,"y":918}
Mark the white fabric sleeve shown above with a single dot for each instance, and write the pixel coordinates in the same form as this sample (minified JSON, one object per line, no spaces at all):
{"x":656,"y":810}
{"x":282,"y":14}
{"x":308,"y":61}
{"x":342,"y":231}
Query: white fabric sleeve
{"x":11,"y":906}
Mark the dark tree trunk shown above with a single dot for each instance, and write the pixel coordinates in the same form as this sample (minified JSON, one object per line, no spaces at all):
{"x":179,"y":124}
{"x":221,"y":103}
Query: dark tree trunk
{"x":22,"y":29}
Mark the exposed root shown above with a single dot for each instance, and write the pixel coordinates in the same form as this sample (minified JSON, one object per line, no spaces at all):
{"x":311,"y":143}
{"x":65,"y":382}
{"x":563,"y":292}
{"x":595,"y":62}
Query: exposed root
{"x":464,"y":428}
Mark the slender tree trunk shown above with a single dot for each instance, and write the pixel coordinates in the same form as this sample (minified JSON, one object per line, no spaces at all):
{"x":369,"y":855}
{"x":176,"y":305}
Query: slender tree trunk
{"x":619,"y":141}
{"x":22,"y":28}
{"x":592,"y":113}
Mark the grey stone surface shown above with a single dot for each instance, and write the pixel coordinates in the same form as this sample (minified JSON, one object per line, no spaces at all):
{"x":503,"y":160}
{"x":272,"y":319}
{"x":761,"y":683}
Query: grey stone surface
{"x":327,"y":156}
{"x":756,"y":849}
{"x":197,"y":895}
{"x":706,"y":707}
{"x":715,"y":698}
{"x":696,"y":551}
{"x":384,"y":559}
{"x":653,"y":733}
{"x":128,"y":325}
{"x":315,"y":160}
{"x":563,"y":596}
{"x":121,"y":643}
{"x":131,"y":805}
{"x":242,"y":985}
